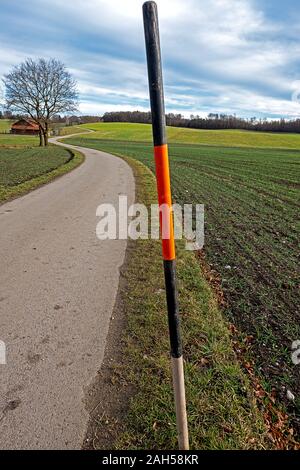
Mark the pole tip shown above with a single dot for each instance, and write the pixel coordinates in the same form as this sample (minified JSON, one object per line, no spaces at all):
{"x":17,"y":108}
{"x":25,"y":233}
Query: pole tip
{"x":149,"y":5}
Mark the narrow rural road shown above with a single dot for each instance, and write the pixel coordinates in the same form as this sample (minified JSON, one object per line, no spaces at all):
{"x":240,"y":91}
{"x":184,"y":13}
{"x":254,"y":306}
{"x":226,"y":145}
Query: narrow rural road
{"x":58,"y":285}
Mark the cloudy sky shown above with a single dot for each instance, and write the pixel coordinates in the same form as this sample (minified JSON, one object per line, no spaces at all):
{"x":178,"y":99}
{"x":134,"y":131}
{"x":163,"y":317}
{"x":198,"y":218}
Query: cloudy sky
{"x":231,"y":56}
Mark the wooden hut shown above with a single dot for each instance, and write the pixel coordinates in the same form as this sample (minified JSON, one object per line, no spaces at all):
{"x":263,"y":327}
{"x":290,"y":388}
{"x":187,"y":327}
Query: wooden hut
{"x":25,"y":127}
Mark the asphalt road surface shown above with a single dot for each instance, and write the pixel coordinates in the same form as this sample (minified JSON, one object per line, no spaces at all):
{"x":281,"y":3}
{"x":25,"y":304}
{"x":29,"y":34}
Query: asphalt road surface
{"x":58,"y":285}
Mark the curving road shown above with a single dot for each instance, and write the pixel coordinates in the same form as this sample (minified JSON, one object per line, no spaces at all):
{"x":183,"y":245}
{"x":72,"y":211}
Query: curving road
{"x":58,"y":285}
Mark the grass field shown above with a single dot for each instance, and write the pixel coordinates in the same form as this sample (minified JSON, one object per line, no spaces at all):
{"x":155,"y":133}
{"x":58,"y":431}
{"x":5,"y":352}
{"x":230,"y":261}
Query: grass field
{"x":18,"y":141}
{"x":68,"y":130}
{"x":227,"y":138}
{"x":5,"y":125}
{"x":251,"y":198}
{"x":25,"y":166}
{"x":18,"y":166}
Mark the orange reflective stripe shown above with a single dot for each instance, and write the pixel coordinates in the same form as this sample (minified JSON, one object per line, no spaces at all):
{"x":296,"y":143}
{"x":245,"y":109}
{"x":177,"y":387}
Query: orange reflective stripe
{"x":164,"y":197}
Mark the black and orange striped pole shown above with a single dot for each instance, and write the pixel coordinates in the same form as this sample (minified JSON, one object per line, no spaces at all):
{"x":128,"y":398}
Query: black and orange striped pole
{"x":164,"y":198}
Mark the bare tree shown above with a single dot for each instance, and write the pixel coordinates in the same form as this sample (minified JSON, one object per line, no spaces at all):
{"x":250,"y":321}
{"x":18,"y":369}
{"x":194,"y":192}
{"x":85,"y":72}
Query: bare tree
{"x":40,"y":89}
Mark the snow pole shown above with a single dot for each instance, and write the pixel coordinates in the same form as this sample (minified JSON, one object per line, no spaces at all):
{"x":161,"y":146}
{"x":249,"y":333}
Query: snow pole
{"x":151,"y":29}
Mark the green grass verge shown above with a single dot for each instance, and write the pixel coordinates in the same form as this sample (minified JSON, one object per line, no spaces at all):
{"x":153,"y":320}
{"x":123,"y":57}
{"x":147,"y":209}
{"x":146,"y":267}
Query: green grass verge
{"x":68,"y":130}
{"x":221,"y":408}
{"x":47,"y":173}
{"x":18,"y":141}
{"x":227,"y":138}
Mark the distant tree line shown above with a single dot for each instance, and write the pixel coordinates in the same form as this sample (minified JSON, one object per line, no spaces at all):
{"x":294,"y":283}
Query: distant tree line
{"x":9,"y":115}
{"x":128,"y":116}
{"x":59,"y":119}
{"x":212,"y":121}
